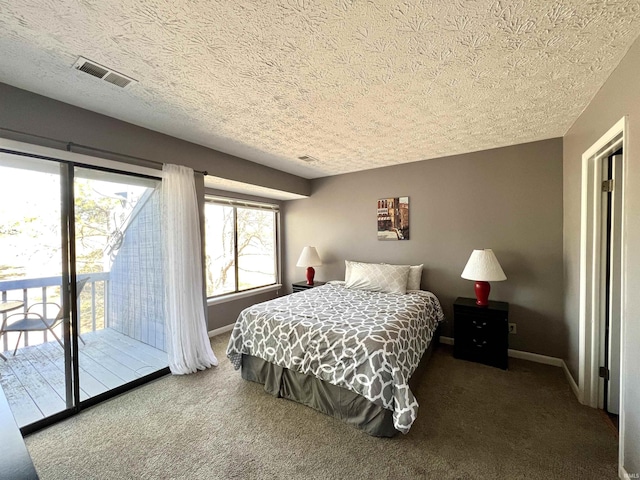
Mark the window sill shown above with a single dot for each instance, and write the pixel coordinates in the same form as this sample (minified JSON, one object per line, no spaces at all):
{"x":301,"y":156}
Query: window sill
{"x":248,"y":293}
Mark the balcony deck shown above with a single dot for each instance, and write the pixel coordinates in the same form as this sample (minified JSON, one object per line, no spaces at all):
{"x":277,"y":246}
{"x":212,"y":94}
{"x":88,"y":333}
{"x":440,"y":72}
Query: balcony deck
{"x":33,"y":380}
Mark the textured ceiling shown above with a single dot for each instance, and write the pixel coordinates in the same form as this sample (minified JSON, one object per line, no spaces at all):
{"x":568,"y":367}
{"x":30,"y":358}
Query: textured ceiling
{"x":355,"y":84}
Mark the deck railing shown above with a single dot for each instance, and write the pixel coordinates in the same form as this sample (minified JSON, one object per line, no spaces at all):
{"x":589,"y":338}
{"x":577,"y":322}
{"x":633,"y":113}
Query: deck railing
{"x":38,"y":290}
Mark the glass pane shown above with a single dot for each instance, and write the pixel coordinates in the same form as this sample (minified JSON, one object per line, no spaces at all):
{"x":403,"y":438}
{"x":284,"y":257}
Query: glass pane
{"x":219,"y":249}
{"x":256,"y":248}
{"x":120,"y":282}
{"x":32,"y":367}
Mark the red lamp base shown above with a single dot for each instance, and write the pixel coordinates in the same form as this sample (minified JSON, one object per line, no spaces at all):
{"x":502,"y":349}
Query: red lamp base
{"x":310,"y":273}
{"x":482,"y":293}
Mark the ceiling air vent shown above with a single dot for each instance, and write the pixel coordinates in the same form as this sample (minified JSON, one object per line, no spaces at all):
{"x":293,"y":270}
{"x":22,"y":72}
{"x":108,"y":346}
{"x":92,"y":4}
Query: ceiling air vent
{"x":308,"y":158}
{"x":117,"y":79}
{"x":92,"y":69}
{"x":102,"y":72}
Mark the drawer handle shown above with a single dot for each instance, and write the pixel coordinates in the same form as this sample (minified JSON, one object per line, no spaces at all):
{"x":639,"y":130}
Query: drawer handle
{"x":479,"y":345}
{"x":484,"y":324}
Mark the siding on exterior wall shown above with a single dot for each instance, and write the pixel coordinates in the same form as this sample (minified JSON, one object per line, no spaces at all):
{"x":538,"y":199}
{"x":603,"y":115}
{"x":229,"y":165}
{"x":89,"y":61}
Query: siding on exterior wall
{"x":508,"y":199}
{"x":619,"y":96}
{"x":136,"y":277}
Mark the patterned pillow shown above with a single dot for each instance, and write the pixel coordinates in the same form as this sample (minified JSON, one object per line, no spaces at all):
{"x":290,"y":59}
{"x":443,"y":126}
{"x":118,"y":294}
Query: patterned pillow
{"x":378,"y":277}
{"x":413,"y":282}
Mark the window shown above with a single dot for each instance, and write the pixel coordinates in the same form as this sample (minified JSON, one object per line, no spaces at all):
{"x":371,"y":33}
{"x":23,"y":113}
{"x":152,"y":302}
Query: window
{"x":240,"y":245}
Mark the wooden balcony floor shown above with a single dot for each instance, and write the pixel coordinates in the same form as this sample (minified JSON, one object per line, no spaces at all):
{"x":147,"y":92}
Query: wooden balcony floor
{"x":33,"y":381}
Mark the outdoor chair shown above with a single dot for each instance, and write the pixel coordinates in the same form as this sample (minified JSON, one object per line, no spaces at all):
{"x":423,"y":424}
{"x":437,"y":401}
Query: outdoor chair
{"x":34,"y":322}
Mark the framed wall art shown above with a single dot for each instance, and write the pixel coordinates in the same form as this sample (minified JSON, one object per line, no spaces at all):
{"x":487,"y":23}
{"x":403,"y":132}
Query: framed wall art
{"x":393,"y":219}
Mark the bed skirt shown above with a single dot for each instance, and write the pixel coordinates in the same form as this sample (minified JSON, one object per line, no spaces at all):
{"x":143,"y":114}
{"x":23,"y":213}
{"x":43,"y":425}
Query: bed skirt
{"x":336,"y":401}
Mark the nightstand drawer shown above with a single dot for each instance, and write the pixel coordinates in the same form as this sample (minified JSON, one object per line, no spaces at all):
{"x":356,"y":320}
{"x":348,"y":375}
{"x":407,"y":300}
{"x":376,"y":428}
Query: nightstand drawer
{"x":479,"y":325}
{"x":467,"y":325}
{"x":479,"y":344}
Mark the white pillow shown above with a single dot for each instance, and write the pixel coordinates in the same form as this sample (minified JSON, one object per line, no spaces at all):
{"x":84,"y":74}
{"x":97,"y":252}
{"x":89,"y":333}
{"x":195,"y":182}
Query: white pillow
{"x":415,"y":277}
{"x":347,"y":270}
{"x":377,"y":277}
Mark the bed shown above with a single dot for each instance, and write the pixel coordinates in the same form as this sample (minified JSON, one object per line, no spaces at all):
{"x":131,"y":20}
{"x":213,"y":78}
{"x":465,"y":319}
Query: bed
{"x":346,"y":351}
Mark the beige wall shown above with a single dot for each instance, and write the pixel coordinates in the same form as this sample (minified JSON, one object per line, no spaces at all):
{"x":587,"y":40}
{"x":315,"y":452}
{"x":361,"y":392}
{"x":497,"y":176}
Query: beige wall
{"x":618,"y":97}
{"x":508,"y":199}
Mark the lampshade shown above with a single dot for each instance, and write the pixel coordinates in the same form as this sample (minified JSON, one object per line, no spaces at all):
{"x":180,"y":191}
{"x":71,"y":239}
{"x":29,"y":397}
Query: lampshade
{"x":309,"y":258}
{"x":483,"y":266}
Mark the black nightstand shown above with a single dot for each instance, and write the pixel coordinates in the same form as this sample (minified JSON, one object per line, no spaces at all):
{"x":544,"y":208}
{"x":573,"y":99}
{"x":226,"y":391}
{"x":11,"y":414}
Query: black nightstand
{"x":481,"y":333}
{"x":302,"y":286}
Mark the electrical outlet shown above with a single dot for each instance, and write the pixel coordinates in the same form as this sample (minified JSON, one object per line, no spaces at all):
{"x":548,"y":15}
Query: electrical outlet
{"x":512,"y":329}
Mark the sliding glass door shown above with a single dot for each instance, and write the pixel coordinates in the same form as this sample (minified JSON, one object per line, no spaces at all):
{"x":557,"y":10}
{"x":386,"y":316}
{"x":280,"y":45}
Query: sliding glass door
{"x":81,"y":290}
{"x":118,"y":258}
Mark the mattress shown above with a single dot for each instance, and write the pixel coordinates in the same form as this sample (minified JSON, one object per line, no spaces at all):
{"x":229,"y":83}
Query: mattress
{"x":368,"y":343}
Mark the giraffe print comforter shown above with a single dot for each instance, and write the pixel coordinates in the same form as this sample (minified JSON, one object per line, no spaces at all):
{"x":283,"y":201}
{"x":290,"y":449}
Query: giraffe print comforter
{"x":367,"y":342}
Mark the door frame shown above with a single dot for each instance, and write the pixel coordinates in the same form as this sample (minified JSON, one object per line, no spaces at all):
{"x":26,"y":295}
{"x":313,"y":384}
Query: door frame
{"x":591,"y":270}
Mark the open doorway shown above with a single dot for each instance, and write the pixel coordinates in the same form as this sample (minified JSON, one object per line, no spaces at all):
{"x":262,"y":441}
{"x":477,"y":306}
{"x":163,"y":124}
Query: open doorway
{"x":602,"y":276}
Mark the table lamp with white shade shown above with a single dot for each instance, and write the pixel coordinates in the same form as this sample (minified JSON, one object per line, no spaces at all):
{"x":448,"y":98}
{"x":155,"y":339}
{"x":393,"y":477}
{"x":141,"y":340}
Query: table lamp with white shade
{"x":309,"y":258}
{"x":483,"y":267}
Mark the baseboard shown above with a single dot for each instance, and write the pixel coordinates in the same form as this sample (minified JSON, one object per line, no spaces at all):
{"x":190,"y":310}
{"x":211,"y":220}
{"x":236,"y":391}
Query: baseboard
{"x":446,"y":340}
{"x":623,"y":474}
{"x":532,"y":357}
{"x":536,"y":357}
{"x":572,"y":382}
{"x":221,"y":330}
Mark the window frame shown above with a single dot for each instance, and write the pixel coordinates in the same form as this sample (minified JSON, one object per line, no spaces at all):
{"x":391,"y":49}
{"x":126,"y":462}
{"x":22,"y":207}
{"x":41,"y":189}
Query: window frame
{"x":236,"y":203}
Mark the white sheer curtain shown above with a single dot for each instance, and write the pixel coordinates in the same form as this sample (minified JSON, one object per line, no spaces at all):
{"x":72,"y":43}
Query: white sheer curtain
{"x":187,"y":340}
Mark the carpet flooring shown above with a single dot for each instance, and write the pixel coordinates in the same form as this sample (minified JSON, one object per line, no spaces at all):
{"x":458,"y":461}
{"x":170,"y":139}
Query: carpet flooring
{"x":474,"y":422}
